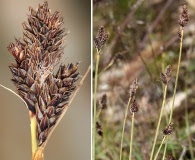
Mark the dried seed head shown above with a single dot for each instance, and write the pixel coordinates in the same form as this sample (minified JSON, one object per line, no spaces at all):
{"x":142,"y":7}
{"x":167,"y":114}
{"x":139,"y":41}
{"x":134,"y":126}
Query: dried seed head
{"x":133,"y":88}
{"x":168,"y":72}
{"x":101,"y":38}
{"x":103,"y":101}
{"x":166,"y":76}
{"x":134,"y":106}
{"x":184,"y":17}
{"x":163,"y":78}
{"x":99,"y":129}
{"x":168,"y":130}
{"x":36,"y":55}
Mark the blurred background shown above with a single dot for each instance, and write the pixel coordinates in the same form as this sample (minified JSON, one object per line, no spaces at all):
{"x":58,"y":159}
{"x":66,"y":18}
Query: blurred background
{"x":146,"y":32}
{"x":71,"y":139}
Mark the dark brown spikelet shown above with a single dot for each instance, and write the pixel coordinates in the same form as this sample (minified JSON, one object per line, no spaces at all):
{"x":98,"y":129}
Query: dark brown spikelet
{"x":134,"y":106}
{"x":103,"y":101}
{"x":179,"y":33}
{"x":166,"y":76}
{"x":184,"y":17}
{"x":99,"y":129}
{"x":133,"y":88}
{"x":101,"y":38}
{"x":168,"y":130}
{"x":36,"y":55}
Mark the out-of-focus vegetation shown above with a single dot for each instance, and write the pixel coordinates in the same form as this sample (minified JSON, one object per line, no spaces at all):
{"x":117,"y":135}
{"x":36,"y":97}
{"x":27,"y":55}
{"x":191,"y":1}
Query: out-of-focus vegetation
{"x":148,"y":34}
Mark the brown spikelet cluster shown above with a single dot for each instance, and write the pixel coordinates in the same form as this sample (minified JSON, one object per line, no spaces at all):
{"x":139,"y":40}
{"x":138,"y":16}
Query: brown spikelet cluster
{"x":36,"y":55}
{"x":168,"y":130}
{"x":166,"y":75}
{"x":103,"y":101}
{"x":134,"y":106}
{"x":184,"y":17}
{"x":101,"y":38}
{"x":179,"y":33}
{"x":99,"y":129}
{"x":133,"y":88}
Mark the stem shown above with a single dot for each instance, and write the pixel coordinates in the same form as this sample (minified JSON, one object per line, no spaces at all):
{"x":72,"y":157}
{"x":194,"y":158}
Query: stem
{"x":131,"y":141}
{"x":108,"y":66}
{"x":176,"y":80}
{"x":33,"y":127}
{"x":177,"y":75}
{"x":95,"y":101}
{"x":122,"y":137}
{"x":99,"y":112}
{"x":158,"y":126}
{"x":165,"y":150}
{"x":159,"y":148}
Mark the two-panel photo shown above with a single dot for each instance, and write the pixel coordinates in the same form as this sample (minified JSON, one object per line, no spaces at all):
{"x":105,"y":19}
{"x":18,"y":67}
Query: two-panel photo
{"x":97,"y":80}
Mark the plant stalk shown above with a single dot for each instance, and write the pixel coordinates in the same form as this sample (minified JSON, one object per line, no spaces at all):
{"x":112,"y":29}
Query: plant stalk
{"x":177,"y":75}
{"x":155,"y":158}
{"x":33,"y":127}
{"x":165,"y":150}
{"x":131,"y":141}
{"x":159,"y":121}
{"x":95,"y":101}
{"x":123,"y":130}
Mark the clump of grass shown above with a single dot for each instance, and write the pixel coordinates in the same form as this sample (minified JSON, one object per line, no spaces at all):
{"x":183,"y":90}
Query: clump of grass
{"x":46,"y":95}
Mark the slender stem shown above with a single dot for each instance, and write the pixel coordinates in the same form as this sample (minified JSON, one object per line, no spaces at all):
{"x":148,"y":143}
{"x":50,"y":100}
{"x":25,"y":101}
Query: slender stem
{"x":155,"y":158}
{"x":165,"y":150}
{"x":177,"y":75}
{"x":159,"y":121}
{"x":33,"y":127}
{"x":123,"y":130}
{"x":99,"y":112}
{"x":131,"y":141}
{"x":176,"y":81}
{"x":95,"y":101}
{"x":108,"y":66}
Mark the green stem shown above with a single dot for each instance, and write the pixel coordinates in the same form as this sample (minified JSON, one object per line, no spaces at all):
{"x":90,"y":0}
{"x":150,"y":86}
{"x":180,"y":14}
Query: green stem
{"x":159,"y":121}
{"x":155,"y":158}
{"x":176,"y":80}
{"x":131,"y":141}
{"x":123,"y":130}
{"x":108,"y":66}
{"x":33,"y":127}
{"x":99,"y":112}
{"x":177,"y":75}
{"x":165,"y":150}
{"x":95,"y":101}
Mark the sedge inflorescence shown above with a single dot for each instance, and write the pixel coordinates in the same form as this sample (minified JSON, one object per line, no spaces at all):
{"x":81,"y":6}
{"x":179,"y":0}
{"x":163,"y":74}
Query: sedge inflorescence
{"x":37,"y":53}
